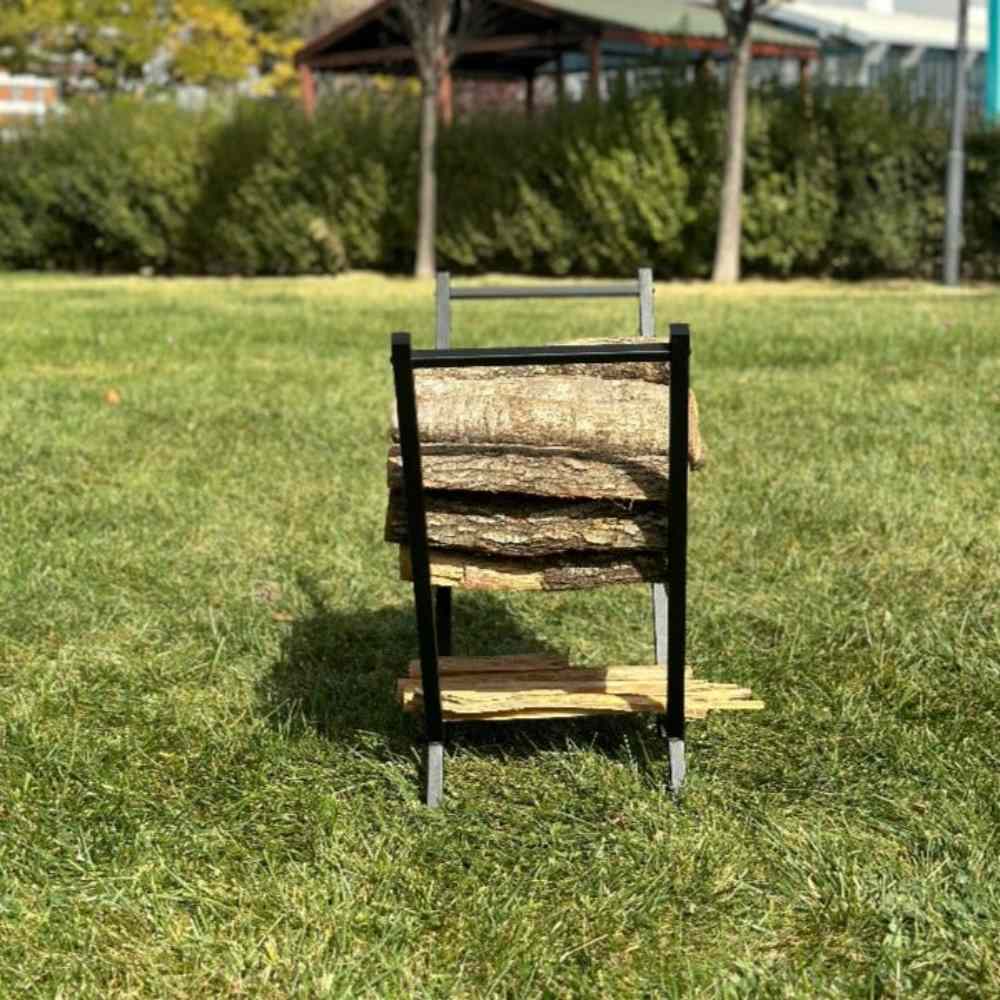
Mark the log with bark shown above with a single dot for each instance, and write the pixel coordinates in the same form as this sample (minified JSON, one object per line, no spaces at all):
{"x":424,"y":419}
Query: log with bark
{"x":505,"y":525}
{"x":547,"y":472}
{"x":472,"y":571}
{"x":613,"y":419}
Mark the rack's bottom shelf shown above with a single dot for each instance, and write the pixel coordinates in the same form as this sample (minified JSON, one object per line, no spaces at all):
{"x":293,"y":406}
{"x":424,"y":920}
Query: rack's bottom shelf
{"x":547,"y":687}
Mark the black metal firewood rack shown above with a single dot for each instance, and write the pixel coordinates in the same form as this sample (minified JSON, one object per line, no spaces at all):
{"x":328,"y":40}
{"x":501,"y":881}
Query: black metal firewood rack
{"x":433,"y":604}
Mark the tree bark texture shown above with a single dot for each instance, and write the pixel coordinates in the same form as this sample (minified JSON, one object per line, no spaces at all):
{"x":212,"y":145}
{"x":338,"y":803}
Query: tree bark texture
{"x":594,"y":416}
{"x":579,"y":571}
{"x":514,"y":526}
{"x":547,"y":472}
{"x":727,"y":247}
{"x":640,"y":371}
{"x":427,"y":210}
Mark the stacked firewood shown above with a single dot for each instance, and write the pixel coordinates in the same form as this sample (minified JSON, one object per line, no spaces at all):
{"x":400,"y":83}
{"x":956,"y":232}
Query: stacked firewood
{"x":543,"y":477}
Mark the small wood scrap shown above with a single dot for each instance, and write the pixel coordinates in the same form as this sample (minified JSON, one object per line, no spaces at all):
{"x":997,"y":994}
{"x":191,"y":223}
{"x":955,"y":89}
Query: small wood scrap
{"x":572,"y":571}
{"x":544,"y":687}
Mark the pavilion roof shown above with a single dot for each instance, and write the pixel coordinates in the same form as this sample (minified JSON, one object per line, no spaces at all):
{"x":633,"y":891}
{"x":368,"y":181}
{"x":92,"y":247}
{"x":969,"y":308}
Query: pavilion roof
{"x":528,"y":36}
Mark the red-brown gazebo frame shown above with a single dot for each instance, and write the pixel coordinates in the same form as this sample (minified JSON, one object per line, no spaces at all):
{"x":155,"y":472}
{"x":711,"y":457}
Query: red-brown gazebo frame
{"x":528,"y":35}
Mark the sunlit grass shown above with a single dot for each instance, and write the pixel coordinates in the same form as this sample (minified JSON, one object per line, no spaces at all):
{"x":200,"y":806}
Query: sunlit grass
{"x":206,"y":788}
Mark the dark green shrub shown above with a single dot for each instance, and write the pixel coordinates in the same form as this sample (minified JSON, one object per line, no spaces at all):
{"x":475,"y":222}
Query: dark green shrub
{"x":360,"y":164}
{"x":981,"y":254}
{"x":890,"y":172}
{"x":844,"y":183}
{"x":605,"y":192}
{"x":258,"y":212}
{"x":790,"y":203}
{"x":108,"y":187}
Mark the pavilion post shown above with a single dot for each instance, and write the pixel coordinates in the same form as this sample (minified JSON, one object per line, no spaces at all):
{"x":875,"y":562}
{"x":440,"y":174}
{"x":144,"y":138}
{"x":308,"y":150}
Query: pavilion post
{"x":307,"y":88}
{"x":806,"y":67}
{"x":594,"y":48}
{"x":560,"y":79}
{"x":529,"y":95}
{"x":446,"y":98}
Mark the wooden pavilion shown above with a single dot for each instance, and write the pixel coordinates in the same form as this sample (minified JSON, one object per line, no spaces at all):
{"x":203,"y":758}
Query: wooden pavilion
{"x":529,"y":39}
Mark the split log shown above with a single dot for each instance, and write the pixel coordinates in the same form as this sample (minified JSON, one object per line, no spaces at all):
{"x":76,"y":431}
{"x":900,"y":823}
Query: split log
{"x":638,"y":371}
{"x":572,"y":691}
{"x":512,"y":526}
{"x":580,"y":572}
{"x":590,"y":415}
{"x":548,"y":472}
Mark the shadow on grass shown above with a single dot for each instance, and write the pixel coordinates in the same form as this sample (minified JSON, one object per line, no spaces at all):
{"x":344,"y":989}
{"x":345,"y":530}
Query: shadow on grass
{"x":338,"y":667}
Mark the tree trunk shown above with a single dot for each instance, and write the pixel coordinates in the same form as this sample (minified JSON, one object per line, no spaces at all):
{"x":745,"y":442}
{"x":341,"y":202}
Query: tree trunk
{"x":517,"y":526}
{"x":427,"y":217}
{"x":727,"y":247}
{"x":566,"y":572}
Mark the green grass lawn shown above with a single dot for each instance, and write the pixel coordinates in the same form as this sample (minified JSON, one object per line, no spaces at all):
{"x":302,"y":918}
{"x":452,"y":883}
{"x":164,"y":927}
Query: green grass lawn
{"x":206,"y":788}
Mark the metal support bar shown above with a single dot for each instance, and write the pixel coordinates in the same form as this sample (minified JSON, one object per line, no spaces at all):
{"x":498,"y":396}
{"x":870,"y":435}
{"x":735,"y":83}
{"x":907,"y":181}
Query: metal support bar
{"x":416,"y":525}
{"x":442,"y":619}
{"x":658,"y":591}
{"x":626,"y":291}
{"x":442,"y":331}
{"x":680,"y":353}
{"x":993,"y":62}
{"x":434,"y":774}
{"x":661,"y":626}
{"x":476,"y":357}
{"x":442,"y":341}
{"x":956,"y":156}
{"x":645,"y":302}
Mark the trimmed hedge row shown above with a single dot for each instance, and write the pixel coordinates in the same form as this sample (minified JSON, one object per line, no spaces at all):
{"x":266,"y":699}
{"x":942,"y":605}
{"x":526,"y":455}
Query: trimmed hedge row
{"x":842,"y":183}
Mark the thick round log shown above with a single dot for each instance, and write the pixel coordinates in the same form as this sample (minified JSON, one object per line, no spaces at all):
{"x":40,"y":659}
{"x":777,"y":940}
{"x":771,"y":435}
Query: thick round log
{"x":593,"y":416}
{"x":517,"y":526}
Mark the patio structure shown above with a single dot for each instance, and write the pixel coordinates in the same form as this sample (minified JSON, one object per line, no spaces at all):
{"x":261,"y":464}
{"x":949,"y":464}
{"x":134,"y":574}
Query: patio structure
{"x":532,"y":39}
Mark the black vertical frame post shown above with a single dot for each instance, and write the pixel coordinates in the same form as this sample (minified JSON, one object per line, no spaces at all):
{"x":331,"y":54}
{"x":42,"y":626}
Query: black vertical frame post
{"x":680,"y":354}
{"x":416,"y":527}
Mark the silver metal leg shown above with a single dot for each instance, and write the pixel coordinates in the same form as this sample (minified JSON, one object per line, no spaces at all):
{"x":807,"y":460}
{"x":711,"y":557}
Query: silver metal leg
{"x":660,"y":622}
{"x":678,"y":765}
{"x":434,"y":772}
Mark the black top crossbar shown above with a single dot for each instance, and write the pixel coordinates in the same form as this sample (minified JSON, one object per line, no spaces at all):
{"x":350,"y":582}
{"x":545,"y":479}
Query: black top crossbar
{"x":626,"y":291}
{"x":474,"y":357}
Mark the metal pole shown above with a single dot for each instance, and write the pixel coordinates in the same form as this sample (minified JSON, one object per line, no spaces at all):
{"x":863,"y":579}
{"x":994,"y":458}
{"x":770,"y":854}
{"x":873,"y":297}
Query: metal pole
{"x":416,"y":528}
{"x":680,"y":352}
{"x":993,"y":64}
{"x":956,"y":156}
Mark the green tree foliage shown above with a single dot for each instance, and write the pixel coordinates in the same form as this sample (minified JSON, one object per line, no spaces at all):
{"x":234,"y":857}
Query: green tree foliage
{"x":209,"y":42}
{"x":115,"y":37}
